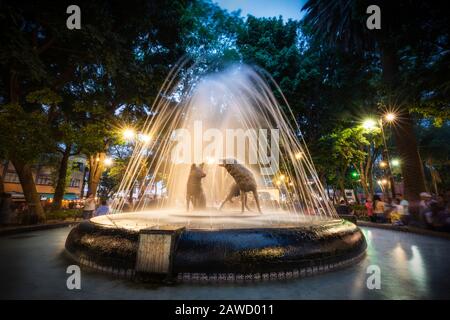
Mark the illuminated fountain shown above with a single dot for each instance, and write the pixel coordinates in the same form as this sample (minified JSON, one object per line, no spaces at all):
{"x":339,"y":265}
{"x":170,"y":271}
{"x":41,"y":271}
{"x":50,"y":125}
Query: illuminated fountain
{"x":228,"y":115}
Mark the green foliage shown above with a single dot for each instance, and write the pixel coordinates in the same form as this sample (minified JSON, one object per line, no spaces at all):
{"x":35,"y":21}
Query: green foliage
{"x":25,"y":135}
{"x":435,"y":151}
{"x":64,"y":214}
{"x":352,"y":148}
{"x":111,"y":178}
{"x":352,"y":144}
{"x":64,"y":90}
{"x":209,"y":32}
{"x":44,"y":97}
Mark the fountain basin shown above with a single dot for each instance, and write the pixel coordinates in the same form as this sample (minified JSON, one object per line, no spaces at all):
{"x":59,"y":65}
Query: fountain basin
{"x":276,"y":251}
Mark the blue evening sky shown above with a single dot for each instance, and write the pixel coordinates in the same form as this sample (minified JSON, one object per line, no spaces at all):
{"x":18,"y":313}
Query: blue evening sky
{"x":265,"y":8}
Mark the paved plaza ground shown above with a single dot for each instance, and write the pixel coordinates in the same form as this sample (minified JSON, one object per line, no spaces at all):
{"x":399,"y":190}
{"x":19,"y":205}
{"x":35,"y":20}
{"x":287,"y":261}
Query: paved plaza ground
{"x":33,"y":266}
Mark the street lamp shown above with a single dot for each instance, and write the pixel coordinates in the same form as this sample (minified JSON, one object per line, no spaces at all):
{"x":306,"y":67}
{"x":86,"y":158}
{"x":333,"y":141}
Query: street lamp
{"x":395,"y":162}
{"x":390,"y":117}
{"x":108,"y":162}
{"x":128,"y":133}
{"x":369,"y":124}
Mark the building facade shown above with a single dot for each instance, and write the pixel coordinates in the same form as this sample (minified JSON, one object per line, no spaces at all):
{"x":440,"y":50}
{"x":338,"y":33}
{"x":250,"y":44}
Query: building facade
{"x":44,"y":178}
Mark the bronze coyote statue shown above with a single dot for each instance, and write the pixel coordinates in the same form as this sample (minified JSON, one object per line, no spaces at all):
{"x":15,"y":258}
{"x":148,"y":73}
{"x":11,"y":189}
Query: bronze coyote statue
{"x":245,"y":182}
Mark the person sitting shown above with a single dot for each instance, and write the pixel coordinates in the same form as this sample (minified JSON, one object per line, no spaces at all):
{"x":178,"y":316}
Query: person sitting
{"x":396,"y":213}
{"x":379,"y":209}
{"x":405,"y":204}
{"x":343,"y":208}
{"x":102,"y":210}
{"x":426,"y":215}
{"x":369,"y":207}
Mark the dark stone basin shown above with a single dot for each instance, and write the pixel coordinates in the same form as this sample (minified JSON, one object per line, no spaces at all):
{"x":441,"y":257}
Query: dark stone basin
{"x":241,"y":251}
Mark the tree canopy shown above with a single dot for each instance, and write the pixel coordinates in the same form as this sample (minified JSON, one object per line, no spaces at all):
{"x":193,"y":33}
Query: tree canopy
{"x":69,"y":92}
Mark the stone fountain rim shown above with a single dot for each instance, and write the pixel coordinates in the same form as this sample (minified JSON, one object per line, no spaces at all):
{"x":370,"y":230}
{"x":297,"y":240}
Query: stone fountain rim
{"x":226,"y":251}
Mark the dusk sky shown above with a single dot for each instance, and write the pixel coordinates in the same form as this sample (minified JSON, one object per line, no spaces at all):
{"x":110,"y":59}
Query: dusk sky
{"x":265,"y":8}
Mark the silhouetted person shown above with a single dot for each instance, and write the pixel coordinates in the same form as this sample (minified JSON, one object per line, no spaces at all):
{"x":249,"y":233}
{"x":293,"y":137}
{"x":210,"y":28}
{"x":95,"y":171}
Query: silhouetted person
{"x":343,"y":208}
{"x":89,"y":207}
{"x":369,"y":207}
{"x":379,"y":208}
{"x":102,"y":210}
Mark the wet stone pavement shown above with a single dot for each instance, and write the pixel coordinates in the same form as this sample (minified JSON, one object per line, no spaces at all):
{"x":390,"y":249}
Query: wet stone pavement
{"x":33,"y":266}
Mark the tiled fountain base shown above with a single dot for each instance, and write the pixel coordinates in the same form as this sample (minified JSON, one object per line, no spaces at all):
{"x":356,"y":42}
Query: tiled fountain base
{"x":228,"y":277}
{"x":267,"y":276}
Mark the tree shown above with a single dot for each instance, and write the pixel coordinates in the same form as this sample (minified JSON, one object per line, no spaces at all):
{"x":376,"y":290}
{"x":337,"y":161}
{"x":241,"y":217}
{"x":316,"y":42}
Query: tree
{"x":111,"y":63}
{"x":356,"y":148}
{"x":435,"y":151}
{"x":25,"y":136}
{"x":342,"y":24}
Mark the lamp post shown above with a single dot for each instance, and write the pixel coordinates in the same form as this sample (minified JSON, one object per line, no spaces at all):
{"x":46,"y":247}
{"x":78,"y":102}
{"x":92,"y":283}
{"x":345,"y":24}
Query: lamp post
{"x":370,"y":124}
{"x":389,"y":118}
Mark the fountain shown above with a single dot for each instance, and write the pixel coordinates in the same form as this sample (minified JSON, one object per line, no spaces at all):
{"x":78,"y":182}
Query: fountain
{"x":227,"y":117}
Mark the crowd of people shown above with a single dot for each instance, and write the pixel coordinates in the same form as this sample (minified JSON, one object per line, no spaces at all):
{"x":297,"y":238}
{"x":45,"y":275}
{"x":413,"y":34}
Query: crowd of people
{"x":433,"y":211}
{"x":395,"y":210}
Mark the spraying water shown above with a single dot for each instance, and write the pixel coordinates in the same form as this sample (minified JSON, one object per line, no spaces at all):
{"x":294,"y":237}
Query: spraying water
{"x":228,"y":115}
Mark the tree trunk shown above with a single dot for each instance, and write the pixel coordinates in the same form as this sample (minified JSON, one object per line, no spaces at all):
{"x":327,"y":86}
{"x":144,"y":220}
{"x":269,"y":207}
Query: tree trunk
{"x":29,"y":189}
{"x":131,"y":195}
{"x":144,"y":186}
{"x":61,"y":182}
{"x":362,"y":171}
{"x":355,"y":191}
{"x":412,"y":168}
{"x":2,"y":176}
{"x":364,"y":186}
{"x":96,"y":165}
{"x":2,"y":186}
{"x":334,"y":194}
{"x":405,"y":138}
{"x":370,"y":180}
{"x":83,"y":183}
{"x":342,"y":188}
{"x":328,"y":190}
